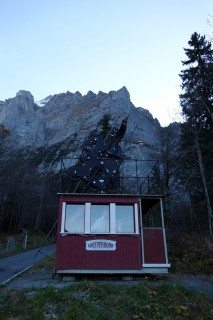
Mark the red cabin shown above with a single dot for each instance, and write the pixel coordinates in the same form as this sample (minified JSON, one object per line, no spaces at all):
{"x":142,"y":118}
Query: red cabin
{"x":110,"y":234}
{"x":118,"y":229}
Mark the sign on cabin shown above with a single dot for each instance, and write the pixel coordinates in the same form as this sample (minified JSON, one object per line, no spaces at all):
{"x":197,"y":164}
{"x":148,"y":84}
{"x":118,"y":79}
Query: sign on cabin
{"x":100,"y":245}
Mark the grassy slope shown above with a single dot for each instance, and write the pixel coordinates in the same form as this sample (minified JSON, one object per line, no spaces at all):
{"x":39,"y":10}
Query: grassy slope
{"x":35,"y":240}
{"x":86,"y":300}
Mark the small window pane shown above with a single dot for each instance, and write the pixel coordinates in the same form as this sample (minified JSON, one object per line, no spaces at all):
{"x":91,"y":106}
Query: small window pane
{"x":99,"y":218}
{"x":74,"y":220}
{"x":152,"y":217}
{"x":124,"y":219}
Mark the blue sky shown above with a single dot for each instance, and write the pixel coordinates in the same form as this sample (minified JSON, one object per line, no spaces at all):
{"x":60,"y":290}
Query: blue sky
{"x":51,"y":46}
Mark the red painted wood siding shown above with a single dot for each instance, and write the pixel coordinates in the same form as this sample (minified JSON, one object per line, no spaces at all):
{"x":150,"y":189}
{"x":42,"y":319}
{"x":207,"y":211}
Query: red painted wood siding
{"x":71,"y":249}
{"x":72,"y":254}
{"x":98,"y":199}
{"x":154,"y":250}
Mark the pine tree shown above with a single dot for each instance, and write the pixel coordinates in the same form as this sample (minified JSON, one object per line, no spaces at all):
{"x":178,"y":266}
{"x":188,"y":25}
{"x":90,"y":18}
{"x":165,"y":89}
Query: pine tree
{"x":197,"y":108}
{"x":197,"y":99}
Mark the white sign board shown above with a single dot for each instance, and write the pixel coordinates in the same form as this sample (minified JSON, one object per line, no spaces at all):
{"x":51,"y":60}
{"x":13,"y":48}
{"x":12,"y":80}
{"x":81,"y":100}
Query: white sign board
{"x":100,"y":245}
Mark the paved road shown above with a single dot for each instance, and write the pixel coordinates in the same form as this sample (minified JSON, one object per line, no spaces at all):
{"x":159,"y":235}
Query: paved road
{"x":11,"y":266}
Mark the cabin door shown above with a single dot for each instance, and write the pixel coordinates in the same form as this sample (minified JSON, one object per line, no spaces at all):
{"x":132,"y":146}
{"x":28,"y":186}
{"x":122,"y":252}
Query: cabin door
{"x":154,"y":250}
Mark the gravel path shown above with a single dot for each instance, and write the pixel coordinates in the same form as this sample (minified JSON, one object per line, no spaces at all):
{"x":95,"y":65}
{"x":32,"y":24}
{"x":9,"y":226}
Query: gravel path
{"x":202,"y":285}
{"x":40,"y":278}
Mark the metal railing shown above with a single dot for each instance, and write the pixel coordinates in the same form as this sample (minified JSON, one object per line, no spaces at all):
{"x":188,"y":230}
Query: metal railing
{"x":133,"y":177}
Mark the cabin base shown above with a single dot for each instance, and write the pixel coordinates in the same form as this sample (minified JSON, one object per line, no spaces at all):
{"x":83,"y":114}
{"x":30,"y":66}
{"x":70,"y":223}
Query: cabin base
{"x":155,"y":270}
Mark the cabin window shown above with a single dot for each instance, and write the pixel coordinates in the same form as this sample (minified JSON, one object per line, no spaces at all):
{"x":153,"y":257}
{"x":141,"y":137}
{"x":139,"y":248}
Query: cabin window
{"x":99,"y":218}
{"x":92,"y":218}
{"x":124,"y":219}
{"x":74,"y":218}
{"x":152,"y":218}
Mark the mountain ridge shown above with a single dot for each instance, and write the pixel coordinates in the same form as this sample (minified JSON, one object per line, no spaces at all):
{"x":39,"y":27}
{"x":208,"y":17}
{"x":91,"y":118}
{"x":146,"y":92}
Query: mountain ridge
{"x":71,"y":114}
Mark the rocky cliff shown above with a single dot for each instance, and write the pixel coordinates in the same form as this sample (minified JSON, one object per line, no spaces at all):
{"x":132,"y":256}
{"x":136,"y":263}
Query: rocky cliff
{"x":68,"y":118}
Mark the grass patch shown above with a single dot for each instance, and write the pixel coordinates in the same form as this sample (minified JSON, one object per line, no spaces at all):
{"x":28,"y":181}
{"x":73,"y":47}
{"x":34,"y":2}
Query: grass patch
{"x":34,"y":240}
{"x":47,"y":264}
{"x":90,"y":301}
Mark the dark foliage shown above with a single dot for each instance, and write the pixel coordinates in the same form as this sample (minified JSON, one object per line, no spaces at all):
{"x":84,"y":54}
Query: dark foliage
{"x":197,"y":130}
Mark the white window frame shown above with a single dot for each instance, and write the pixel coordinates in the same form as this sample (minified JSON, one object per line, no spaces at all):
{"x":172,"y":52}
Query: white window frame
{"x":112,"y":219}
{"x":87,"y":217}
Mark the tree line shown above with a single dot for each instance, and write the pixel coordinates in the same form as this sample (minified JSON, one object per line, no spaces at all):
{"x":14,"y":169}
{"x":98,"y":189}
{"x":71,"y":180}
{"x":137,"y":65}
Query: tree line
{"x":187,"y":157}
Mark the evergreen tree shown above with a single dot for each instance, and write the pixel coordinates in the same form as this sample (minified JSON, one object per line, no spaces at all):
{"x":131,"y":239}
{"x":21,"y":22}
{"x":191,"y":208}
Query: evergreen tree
{"x":197,"y":131}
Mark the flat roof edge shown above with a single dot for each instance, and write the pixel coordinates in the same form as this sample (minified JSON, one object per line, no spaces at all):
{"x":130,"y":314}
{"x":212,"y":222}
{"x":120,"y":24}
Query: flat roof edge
{"x":112,"y":195}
